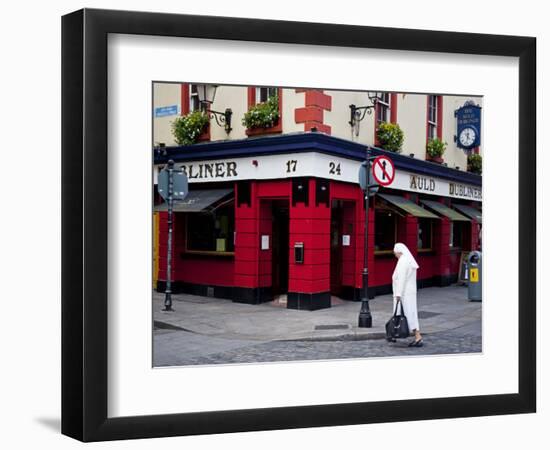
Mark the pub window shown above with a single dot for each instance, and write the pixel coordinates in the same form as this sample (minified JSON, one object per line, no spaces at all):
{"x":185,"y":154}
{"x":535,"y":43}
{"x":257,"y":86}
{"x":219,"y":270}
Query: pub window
{"x":263,"y":93}
{"x":455,"y":239}
{"x":425,"y":228}
{"x":385,"y":234}
{"x":212,"y":231}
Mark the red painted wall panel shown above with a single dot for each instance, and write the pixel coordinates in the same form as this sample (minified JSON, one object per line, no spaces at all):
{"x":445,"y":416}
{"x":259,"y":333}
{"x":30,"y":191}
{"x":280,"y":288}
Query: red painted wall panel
{"x":246,"y":225}
{"x":246,"y":254}
{"x":249,"y":240}
{"x":274,"y":189}
{"x":384,"y":270}
{"x":310,"y":226}
{"x":310,"y":287}
{"x":310,"y":241}
{"x":310,"y":271}
{"x":312,"y":256}
{"x":209,"y":271}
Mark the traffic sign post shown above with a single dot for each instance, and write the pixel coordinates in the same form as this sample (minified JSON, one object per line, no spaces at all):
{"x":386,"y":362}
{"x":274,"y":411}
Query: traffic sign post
{"x":179,"y":183}
{"x":383,"y":174}
{"x":172,"y":186}
{"x":366,"y":181}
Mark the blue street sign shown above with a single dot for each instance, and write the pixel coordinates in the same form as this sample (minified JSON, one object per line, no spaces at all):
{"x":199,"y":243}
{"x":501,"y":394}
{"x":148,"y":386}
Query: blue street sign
{"x":164,"y":111}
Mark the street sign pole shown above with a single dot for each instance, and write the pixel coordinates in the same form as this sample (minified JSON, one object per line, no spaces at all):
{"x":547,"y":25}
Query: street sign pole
{"x":168,"y":290}
{"x":172,"y":187}
{"x":365,"y":316}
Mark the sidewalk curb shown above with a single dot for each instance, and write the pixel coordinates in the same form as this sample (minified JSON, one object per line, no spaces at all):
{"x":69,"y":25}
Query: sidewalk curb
{"x":377,"y":335}
{"x":340,"y":337}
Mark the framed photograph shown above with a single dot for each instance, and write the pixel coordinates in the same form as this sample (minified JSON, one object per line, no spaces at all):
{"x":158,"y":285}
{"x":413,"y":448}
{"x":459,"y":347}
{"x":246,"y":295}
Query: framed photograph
{"x":273,"y":225}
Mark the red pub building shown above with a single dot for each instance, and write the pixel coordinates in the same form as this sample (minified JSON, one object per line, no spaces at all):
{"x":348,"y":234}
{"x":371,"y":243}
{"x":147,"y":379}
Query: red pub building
{"x":284,"y":214}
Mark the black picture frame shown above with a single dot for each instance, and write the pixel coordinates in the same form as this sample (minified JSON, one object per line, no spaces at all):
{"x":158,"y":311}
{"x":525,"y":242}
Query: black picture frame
{"x":84,"y":224}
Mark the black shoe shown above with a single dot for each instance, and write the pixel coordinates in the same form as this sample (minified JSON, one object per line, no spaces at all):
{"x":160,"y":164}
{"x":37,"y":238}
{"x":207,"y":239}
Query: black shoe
{"x":415,"y":343}
{"x":391,"y":339}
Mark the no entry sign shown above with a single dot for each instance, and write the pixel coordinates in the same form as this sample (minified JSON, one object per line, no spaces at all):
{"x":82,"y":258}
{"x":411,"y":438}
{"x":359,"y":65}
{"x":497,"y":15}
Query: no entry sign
{"x":383,"y":170}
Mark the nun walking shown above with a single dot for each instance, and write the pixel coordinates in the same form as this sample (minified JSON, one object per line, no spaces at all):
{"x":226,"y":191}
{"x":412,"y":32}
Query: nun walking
{"x":404,"y":289}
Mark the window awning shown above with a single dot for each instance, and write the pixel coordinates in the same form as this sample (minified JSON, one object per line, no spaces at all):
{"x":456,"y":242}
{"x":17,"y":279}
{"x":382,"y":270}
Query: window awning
{"x":444,"y":210}
{"x":198,"y":200}
{"x":468,"y":211}
{"x":408,"y":206}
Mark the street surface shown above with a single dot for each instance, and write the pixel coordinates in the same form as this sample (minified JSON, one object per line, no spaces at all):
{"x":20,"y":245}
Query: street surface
{"x":205,"y":330}
{"x":175,"y":347}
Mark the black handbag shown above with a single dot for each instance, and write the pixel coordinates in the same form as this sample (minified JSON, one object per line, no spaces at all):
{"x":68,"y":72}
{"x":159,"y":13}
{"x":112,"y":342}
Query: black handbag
{"x":397,"y":327}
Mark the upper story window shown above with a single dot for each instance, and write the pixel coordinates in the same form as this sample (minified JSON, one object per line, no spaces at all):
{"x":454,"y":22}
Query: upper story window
{"x":385,"y":111}
{"x":194,"y":104}
{"x":190,"y":102}
{"x":434,"y":117}
{"x":263,"y":93}
{"x":383,"y":108}
{"x":190,"y":99}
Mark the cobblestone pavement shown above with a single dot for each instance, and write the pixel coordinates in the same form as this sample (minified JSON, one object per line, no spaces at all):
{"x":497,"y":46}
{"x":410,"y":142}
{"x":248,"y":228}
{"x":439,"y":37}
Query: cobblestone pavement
{"x":178,"y":348}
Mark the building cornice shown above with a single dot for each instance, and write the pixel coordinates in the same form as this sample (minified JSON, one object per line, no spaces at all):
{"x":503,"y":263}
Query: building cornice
{"x":305,"y":142}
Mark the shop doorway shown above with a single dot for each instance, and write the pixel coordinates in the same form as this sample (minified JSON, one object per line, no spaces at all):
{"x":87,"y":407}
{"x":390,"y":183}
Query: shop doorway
{"x":336,"y":220}
{"x":342,"y":253}
{"x":280,"y":253}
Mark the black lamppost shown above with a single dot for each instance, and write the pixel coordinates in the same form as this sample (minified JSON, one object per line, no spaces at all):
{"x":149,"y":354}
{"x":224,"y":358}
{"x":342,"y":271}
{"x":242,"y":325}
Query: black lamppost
{"x":207,"y":94}
{"x":357,"y":114}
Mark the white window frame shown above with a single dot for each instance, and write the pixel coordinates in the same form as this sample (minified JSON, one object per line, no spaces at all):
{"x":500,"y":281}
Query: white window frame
{"x":384,"y":106}
{"x":269,"y":91}
{"x":432,"y":116}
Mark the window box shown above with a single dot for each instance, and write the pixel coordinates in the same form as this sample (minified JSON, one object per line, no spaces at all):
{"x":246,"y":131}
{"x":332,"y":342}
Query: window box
{"x":258,"y":95}
{"x":205,"y":136}
{"x":263,"y":131}
{"x":435,"y":159}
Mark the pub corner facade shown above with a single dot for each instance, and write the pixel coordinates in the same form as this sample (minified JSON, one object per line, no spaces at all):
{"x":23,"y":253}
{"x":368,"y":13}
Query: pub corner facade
{"x":279,"y":211}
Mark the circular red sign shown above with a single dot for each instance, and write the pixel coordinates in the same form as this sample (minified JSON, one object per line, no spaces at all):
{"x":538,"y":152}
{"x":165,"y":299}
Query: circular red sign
{"x":383,"y":170}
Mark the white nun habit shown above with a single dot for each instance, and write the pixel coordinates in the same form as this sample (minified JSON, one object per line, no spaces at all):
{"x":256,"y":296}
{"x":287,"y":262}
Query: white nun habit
{"x":404,"y":284}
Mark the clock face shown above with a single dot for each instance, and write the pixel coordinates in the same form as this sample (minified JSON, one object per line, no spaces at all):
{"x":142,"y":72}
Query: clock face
{"x":467,"y":137}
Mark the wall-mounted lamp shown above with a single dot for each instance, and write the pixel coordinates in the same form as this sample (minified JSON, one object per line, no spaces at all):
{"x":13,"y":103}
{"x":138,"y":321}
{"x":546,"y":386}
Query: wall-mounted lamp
{"x":358,"y":113}
{"x":207,"y":94}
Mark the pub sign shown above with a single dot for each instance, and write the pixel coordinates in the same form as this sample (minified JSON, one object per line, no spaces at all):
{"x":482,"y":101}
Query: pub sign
{"x":468,"y":126}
